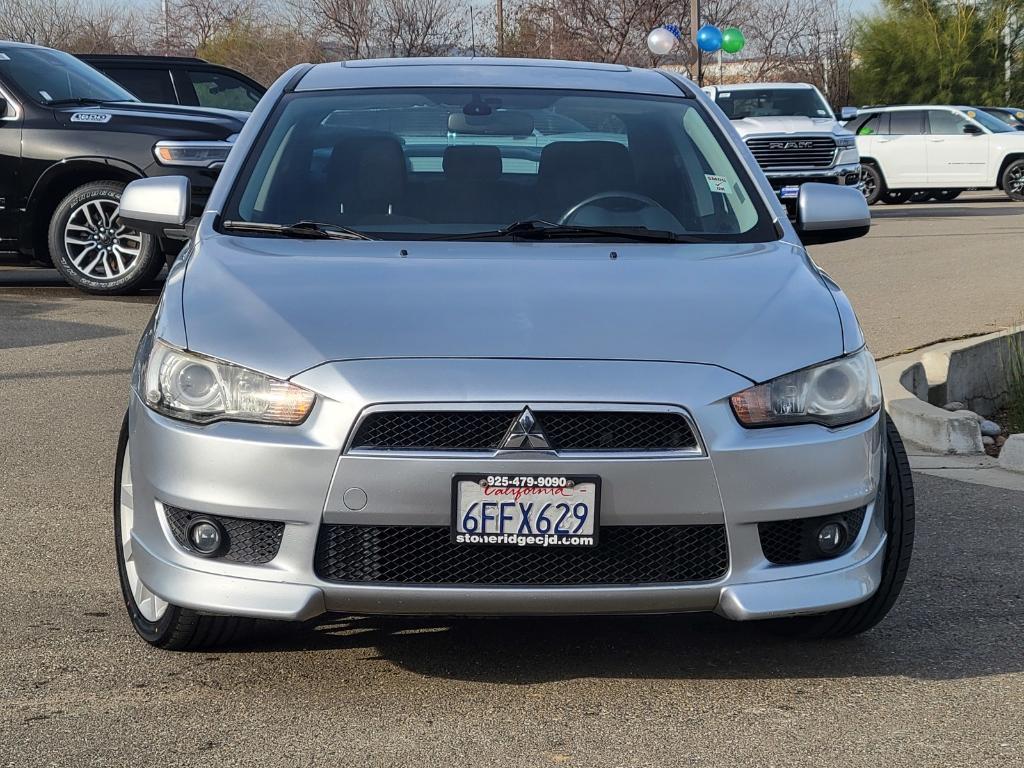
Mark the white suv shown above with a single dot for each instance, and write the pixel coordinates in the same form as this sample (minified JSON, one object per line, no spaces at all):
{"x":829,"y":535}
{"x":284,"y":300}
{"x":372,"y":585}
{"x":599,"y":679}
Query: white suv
{"x":946,"y":149}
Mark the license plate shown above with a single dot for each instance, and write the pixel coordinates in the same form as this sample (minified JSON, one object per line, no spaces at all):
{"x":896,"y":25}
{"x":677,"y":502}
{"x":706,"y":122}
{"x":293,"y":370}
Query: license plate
{"x":525,"y":510}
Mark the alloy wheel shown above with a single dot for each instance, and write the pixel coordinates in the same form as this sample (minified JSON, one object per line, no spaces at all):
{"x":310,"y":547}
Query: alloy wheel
{"x":868,"y":185}
{"x":1016,"y":179}
{"x":98,"y":245}
{"x":149,"y":605}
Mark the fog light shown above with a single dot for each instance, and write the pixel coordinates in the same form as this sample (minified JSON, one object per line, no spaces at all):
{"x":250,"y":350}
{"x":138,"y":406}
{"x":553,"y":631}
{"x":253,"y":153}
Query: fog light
{"x":205,"y":537}
{"x":831,"y":538}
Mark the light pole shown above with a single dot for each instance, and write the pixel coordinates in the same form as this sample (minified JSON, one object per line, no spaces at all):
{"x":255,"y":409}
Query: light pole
{"x":694,"y":26}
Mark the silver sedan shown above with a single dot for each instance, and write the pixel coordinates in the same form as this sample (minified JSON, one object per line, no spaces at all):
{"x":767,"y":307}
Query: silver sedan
{"x":466,"y":336}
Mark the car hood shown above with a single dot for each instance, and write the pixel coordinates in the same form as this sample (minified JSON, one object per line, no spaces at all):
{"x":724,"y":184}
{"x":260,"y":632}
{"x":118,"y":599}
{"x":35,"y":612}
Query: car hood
{"x":284,"y":306}
{"x":750,"y":126}
{"x":168,"y":121}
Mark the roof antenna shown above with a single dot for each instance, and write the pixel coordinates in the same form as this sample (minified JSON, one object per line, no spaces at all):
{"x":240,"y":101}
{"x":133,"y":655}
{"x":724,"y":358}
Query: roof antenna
{"x":472,"y":32}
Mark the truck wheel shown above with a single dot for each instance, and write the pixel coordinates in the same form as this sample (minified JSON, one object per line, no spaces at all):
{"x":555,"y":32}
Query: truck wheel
{"x":871,"y":183}
{"x":1013,"y":181}
{"x":155,"y":620}
{"x":92,"y":250}
{"x":899,"y":545}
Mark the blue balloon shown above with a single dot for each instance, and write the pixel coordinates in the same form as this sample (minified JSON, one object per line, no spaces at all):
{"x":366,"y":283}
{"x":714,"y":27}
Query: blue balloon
{"x":709,"y":38}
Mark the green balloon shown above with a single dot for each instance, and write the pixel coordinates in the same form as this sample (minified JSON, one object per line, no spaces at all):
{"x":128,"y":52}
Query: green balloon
{"x":732,"y":40}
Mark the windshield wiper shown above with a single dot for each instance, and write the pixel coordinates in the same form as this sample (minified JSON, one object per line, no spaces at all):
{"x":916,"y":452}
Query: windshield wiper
{"x":79,"y":101}
{"x":304,"y":229}
{"x":538,"y":229}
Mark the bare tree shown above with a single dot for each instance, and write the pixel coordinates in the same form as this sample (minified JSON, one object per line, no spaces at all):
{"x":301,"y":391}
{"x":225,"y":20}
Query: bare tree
{"x":422,"y":27}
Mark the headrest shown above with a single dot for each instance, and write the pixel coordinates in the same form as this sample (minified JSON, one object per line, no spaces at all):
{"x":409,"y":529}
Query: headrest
{"x":478,"y":163}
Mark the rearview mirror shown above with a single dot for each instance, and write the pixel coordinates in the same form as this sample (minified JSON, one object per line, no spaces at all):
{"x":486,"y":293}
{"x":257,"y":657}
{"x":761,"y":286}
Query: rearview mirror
{"x":155,"y":204}
{"x":847,"y":113}
{"x":497,"y":123}
{"x":828,"y":213}
{"x":972,"y":130}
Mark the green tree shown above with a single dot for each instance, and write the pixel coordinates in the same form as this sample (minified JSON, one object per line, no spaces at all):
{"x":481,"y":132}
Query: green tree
{"x":939,"y":51}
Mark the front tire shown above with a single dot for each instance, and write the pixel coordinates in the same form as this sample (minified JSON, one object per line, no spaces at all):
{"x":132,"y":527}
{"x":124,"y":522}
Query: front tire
{"x":899,"y":546}
{"x":1013,"y":181}
{"x":158,"y":622}
{"x":93,"y":251}
{"x":871,"y":183}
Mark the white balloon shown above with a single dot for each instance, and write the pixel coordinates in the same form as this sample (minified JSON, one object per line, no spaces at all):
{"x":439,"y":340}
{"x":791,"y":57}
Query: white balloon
{"x":660,"y":41}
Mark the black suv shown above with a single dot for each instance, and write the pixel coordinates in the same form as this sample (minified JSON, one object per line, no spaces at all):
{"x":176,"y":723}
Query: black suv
{"x":70,"y":140}
{"x":179,"y":80}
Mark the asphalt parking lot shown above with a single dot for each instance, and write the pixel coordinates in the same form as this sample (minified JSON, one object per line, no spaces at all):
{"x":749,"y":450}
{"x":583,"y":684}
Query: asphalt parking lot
{"x":940,"y":683}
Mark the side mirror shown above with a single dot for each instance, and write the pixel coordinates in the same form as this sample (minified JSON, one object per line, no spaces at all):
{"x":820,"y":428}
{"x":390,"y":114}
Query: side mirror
{"x":156,"y":204}
{"x":828,"y":213}
{"x":847,"y":113}
{"x":972,"y":130}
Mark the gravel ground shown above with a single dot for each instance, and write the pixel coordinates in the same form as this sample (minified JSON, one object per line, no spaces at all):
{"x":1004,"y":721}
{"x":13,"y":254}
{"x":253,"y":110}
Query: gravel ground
{"x":940,"y":683}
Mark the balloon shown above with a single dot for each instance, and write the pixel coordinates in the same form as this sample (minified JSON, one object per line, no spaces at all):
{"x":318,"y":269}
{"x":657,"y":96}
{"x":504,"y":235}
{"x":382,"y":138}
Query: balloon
{"x":732,"y":40}
{"x":709,"y":38}
{"x":661,"y":41}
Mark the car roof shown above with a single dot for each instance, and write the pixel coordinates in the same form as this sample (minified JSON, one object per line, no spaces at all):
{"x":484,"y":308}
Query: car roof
{"x":761,"y":86}
{"x":129,"y":58}
{"x":899,"y":107}
{"x":461,"y":71}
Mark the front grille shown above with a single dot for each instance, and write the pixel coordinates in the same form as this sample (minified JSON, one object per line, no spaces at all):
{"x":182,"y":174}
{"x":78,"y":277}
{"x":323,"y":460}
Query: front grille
{"x":794,"y":152}
{"x":657,"y":554}
{"x":247,"y":541}
{"x":598,"y":431}
{"x":786,"y":542}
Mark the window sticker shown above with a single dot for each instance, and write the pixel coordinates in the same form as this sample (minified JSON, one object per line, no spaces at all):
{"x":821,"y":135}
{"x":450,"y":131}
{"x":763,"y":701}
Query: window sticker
{"x":717,"y":183}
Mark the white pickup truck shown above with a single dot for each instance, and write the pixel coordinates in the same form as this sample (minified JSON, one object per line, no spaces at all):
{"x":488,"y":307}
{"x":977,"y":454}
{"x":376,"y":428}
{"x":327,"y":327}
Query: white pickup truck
{"x":792,"y":132}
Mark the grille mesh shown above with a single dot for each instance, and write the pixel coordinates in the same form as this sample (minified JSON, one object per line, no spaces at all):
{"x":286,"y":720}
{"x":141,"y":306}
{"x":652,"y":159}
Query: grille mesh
{"x":794,"y":152}
{"x":248,"y":541}
{"x":425,"y":555}
{"x":484,"y":430}
{"x":786,"y":542}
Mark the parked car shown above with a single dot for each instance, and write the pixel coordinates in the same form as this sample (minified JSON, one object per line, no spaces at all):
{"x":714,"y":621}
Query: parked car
{"x":179,"y":80}
{"x":937,"y":147}
{"x":1012,"y":116}
{"x":421,"y":357}
{"x":70,"y":139}
{"x":792,"y":132}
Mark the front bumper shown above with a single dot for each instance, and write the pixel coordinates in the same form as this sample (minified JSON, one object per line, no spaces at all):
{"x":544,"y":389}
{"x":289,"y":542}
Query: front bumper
{"x":299,"y":475}
{"x":844,"y":175}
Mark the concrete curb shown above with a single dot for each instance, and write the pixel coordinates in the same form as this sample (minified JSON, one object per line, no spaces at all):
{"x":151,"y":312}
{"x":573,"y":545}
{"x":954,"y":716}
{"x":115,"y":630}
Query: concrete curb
{"x":968,"y":370}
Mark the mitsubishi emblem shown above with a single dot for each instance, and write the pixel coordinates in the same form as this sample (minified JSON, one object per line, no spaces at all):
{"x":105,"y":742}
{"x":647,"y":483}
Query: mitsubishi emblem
{"x":525,"y":434}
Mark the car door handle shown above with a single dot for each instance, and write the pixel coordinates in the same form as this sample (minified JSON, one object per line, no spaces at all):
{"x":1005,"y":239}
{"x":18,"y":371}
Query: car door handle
{"x":883,"y":141}
{"x":936,"y":141}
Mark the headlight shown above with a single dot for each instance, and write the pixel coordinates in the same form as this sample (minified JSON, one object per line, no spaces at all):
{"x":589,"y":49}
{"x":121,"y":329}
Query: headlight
{"x":832,"y":394}
{"x":184,"y":385}
{"x":845,"y":142}
{"x":200,"y":154}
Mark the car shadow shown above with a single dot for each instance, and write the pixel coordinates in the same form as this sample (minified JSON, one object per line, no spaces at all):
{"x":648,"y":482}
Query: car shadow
{"x":23,"y":326}
{"x":943,"y":210}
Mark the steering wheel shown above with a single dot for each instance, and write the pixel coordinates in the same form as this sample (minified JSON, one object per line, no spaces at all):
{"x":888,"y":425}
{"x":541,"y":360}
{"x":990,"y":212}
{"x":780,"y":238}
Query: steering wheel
{"x":646,"y":201}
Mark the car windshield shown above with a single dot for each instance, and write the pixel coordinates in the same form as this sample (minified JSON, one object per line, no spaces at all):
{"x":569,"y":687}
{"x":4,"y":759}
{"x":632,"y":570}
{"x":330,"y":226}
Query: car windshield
{"x":994,"y":124}
{"x":48,"y":76}
{"x":441,"y":163}
{"x":773,"y":102}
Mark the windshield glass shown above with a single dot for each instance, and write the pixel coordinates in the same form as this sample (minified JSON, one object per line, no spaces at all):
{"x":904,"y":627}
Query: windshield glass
{"x":46,"y":75}
{"x":437,"y":162}
{"x":773,"y":102}
{"x":994,"y":124}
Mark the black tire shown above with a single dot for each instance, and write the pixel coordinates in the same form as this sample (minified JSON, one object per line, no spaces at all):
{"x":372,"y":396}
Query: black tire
{"x":1013,"y":181}
{"x":945,"y":195}
{"x":140,"y":270}
{"x":895,"y":196}
{"x":178,"y":629}
{"x":872,"y":183}
{"x":899,"y":526}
